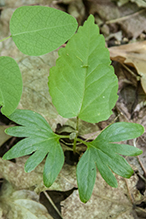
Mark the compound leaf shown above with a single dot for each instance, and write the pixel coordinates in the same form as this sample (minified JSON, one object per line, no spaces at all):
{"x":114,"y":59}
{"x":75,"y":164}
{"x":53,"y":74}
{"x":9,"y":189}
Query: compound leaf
{"x":37,"y":30}
{"x":83,"y":83}
{"x":40,"y":139}
{"x":104,"y":154}
{"x":10,"y":85}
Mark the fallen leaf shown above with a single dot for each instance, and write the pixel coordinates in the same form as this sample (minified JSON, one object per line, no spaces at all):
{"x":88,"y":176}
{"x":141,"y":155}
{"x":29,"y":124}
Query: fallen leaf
{"x":85,"y":129}
{"x":76,"y":8}
{"x":22,"y":204}
{"x":134,"y":55}
{"x":15,"y":174}
{"x":18,"y":3}
{"x":140,"y":3}
{"x":128,"y":16}
{"x":122,"y":2}
{"x":105,"y":202}
{"x":35,"y":96}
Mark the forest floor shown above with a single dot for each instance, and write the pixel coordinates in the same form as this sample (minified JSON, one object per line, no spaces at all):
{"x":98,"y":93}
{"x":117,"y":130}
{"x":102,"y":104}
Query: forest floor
{"x":123,"y":24}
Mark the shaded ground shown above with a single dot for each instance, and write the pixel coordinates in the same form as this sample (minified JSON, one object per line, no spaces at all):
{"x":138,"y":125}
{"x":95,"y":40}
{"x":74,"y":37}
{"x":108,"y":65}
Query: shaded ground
{"x":121,"y":22}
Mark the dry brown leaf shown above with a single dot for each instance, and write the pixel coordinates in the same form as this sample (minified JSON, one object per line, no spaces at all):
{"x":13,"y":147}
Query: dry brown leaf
{"x":14,"y":173}
{"x":36,"y":97}
{"x":133,"y":54}
{"x":106,"y":202}
{"x":131,"y":19}
{"x":22,"y":204}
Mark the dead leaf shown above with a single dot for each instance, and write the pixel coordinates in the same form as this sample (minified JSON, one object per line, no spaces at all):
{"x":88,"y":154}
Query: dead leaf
{"x":76,"y":8}
{"x":122,"y":2}
{"x":129,"y":17}
{"x":36,"y":97}
{"x":15,"y":174}
{"x":84,"y":127}
{"x":22,"y":204}
{"x":133,"y":54}
{"x":18,"y":3}
{"x":140,"y":3}
{"x":105,"y":202}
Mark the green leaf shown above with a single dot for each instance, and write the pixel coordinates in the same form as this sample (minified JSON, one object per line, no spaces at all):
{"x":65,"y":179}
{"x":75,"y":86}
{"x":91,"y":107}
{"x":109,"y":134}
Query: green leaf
{"x":53,"y":162}
{"x":105,"y":155}
{"x":122,"y":132}
{"x":37,"y":30}
{"x":40,"y":139}
{"x":86,"y":175}
{"x":83,"y":83}
{"x":10,"y":85}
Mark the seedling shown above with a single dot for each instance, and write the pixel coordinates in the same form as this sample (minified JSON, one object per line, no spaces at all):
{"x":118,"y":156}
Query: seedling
{"x":82,"y":85}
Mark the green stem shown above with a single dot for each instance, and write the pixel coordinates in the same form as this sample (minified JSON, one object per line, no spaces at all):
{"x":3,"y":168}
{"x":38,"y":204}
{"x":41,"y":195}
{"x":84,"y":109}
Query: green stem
{"x":83,"y":142}
{"x":5,"y":38}
{"x":63,"y":136}
{"x":75,"y":139}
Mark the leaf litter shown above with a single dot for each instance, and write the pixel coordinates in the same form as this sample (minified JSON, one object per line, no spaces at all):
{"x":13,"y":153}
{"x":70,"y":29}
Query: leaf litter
{"x":67,"y":177}
{"x":21,"y":204}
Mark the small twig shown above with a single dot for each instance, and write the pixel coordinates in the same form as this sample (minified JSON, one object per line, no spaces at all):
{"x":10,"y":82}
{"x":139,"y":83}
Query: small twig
{"x":12,"y":141}
{"x":125,"y":17}
{"x":73,"y":184}
{"x":122,"y":113}
{"x":122,"y":213}
{"x":144,"y":179}
{"x":52,"y":203}
{"x":141,"y":209}
{"x":141,"y":165}
{"x":131,"y":72}
{"x":129,"y":194}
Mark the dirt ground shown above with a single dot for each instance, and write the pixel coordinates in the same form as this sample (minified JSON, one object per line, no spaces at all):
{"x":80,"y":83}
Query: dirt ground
{"x":123,"y":24}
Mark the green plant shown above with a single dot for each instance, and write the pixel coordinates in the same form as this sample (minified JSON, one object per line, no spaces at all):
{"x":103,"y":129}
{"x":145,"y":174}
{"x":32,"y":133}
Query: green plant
{"x":82,"y":85}
{"x":36,"y":30}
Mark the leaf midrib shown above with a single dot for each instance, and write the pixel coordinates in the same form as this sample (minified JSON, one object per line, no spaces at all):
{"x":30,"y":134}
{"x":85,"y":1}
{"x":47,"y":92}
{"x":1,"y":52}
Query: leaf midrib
{"x":46,"y":28}
{"x":86,"y":69}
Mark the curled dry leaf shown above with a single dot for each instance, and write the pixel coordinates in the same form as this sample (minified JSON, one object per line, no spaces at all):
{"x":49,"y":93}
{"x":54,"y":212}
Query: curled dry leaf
{"x":134,"y":55}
